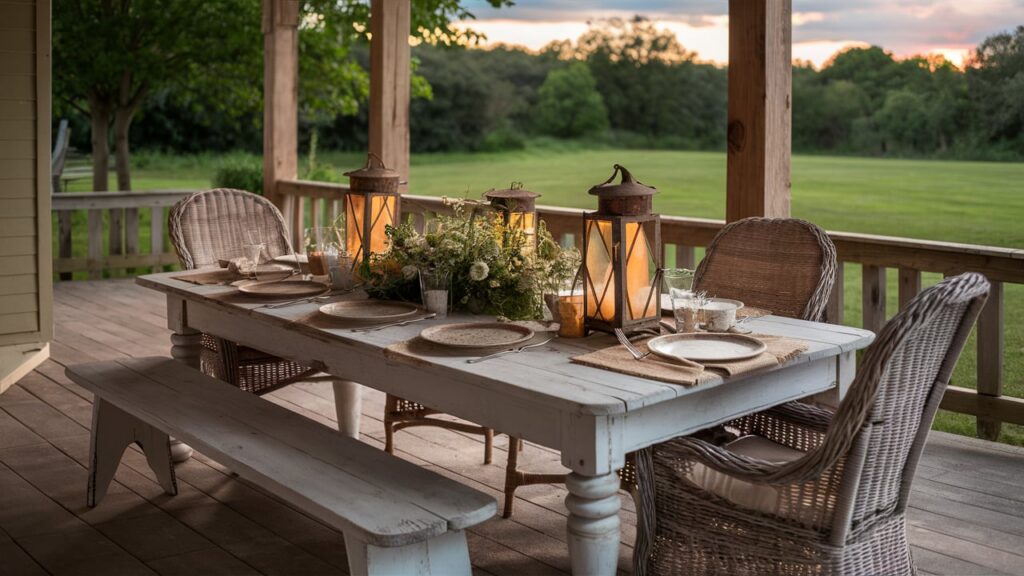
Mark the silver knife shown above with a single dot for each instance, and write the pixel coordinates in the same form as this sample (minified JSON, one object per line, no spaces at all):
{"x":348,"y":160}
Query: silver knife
{"x":509,"y":351}
{"x":402,"y":323}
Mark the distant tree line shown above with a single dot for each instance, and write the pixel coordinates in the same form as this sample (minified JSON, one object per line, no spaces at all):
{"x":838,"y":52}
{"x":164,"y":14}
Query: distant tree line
{"x":628,"y":83}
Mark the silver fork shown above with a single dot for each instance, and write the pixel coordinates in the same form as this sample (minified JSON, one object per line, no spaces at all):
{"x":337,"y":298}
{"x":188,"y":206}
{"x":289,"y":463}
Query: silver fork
{"x":637,"y":354}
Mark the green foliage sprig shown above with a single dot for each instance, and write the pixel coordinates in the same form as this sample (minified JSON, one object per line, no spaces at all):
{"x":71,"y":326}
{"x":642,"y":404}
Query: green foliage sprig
{"x":494,"y":268}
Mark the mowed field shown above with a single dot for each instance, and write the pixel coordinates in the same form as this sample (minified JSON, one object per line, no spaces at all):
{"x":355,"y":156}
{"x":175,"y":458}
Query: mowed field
{"x":971,"y":202}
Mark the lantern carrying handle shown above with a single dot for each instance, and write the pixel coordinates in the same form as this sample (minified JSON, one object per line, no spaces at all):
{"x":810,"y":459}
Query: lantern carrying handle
{"x":627,"y":177}
{"x":370,"y":157}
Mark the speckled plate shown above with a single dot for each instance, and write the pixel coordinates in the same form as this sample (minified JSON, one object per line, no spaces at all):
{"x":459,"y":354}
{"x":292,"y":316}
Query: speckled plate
{"x":709,"y":347}
{"x":477,"y":334}
{"x":283,"y":289}
{"x":369,"y":310}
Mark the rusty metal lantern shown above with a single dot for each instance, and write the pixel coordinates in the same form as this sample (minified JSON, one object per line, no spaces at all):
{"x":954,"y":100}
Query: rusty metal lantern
{"x":517,"y":209}
{"x":622,"y":257}
{"x":372,"y":203}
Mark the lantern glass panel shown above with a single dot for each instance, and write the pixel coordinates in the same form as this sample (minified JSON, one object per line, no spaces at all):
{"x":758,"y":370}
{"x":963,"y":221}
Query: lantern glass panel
{"x":640,"y":292}
{"x":357,"y":231}
{"x":600,"y":274}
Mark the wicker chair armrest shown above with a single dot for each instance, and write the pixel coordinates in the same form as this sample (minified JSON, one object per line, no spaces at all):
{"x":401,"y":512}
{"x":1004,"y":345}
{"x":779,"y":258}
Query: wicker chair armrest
{"x":797,"y":413}
{"x":797,"y":425}
{"x":809,"y":467}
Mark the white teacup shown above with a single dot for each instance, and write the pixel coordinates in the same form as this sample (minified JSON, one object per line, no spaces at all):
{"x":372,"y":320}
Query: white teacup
{"x":720,"y":315}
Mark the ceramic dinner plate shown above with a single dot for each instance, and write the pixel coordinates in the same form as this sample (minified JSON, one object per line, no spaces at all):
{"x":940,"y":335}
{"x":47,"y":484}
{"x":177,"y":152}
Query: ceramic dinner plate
{"x":284,"y":289}
{"x":709,"y":347}
{"x":477,"y":334}
{"x":666,"y":303}
{"x":369,"y":310}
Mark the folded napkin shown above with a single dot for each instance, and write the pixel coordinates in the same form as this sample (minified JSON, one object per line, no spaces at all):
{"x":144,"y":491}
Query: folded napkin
{"x":618,"y":359}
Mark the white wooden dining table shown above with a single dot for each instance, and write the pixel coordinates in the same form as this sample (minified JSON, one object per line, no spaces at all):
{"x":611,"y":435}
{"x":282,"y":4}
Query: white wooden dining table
{"x":593,"y":417}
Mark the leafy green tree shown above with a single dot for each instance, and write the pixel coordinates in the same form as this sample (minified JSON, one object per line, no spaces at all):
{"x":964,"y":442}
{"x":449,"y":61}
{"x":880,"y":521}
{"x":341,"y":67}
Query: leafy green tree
{"x":995,"y":76}
{"x":569,"y":104}
{"x":903,"y":121}
{"x":109,"y":57}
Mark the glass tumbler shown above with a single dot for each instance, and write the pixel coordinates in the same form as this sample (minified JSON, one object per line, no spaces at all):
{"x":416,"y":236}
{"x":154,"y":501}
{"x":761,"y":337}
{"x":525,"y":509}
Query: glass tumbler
{"x":435,"y":288}
{"x":322,"y":245}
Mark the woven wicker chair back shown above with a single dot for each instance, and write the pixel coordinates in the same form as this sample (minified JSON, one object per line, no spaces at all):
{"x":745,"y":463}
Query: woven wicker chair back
{"x":214,"y":225}
{"x":890,"y":406}
{"x":784,"y":265}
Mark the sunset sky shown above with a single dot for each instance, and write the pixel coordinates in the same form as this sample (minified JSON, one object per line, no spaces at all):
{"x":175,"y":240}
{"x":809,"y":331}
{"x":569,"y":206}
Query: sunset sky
{"x":820,"y":27}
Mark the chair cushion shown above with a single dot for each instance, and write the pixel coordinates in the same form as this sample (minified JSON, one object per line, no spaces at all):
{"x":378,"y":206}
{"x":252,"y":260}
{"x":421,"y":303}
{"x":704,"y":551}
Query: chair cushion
{"x":758,"y":497}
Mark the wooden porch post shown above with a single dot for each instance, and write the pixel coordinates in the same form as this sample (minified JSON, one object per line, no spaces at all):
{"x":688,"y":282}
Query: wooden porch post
{"x":760,"y":78}
{"x":390,"y":21}
{"x":280,"y":94}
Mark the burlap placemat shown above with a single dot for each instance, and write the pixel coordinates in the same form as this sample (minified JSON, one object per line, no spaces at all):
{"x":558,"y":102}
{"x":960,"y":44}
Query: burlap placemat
{"x":618,"y":359}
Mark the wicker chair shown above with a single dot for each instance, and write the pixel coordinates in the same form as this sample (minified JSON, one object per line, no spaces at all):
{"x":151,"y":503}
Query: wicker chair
{"x":212,"y":225}
{"x":400,"y":413}
{"x":806,"y":490}
{"x":784,"y":265}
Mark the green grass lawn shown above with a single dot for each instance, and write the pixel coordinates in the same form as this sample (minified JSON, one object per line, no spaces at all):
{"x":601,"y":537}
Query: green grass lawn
{"x":971,"y":202}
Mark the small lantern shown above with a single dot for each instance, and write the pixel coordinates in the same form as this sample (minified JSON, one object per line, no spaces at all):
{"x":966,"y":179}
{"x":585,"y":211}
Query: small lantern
{"x":622,"y":257}
{"x":372,"y":203}
{"x":518,"y":210}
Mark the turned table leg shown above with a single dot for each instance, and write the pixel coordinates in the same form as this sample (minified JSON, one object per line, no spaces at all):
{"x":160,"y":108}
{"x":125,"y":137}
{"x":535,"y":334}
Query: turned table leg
{"x":348,"y":403}
{"x":185,"y":345}
{"x":593,"y":524}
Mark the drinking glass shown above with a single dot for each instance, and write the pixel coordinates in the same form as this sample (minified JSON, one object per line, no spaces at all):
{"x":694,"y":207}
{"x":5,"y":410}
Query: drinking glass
{"x":321,"y":246}
{"x":570,"y":315}
{"x":688,"y":311}
{"x":677,"y":282}
{"x":435,"y":288}
{"x":252,"y":253}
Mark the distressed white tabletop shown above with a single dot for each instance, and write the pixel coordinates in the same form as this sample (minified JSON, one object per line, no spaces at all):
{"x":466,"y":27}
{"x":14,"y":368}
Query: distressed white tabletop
{"x":593,"y":416}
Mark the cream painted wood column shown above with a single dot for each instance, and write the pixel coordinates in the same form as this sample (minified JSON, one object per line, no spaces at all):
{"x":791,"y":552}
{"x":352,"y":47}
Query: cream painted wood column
{"x":280,"y":94}
{"x":760,"y":95}
{"x":390,"y":21}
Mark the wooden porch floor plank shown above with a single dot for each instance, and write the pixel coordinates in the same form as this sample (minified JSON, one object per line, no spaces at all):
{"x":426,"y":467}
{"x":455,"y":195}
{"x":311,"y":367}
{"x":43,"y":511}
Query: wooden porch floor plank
{"x":16,"y":560}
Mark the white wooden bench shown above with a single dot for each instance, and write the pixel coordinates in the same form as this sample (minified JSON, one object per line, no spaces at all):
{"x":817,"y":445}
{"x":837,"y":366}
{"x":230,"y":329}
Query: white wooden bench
{"x":397,"y":518}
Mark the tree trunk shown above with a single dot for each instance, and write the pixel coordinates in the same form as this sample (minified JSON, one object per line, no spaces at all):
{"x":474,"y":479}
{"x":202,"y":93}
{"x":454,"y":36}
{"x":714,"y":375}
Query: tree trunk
{"x":99,"y":115}
{"x":122,"y":122}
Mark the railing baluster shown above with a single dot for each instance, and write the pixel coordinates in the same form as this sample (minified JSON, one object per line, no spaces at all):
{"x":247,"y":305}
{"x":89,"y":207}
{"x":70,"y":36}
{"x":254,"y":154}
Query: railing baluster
{"x":115,"y":222}
{"x":64,"y":239}
{"x":298,"y":220}
{"x":131,"y":233}
{"x":990,"y":357}
{"x":910,"y":285}
{"x":686,"y":257}
{"x":834,"y":310}
{"x":95,"y":252}
{"x":314,"y":213}
{"x":156,"y":238}
{"x":873,"y":297}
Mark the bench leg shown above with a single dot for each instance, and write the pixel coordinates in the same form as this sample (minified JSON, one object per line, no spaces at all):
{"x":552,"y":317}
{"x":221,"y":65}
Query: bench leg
{"x":348,"y":403}
{"x":113,"y":430}
{"x":443,"y":555}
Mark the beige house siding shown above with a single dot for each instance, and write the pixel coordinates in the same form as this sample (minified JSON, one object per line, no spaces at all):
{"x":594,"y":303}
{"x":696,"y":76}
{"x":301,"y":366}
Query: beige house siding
{"x":26,"y":291}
